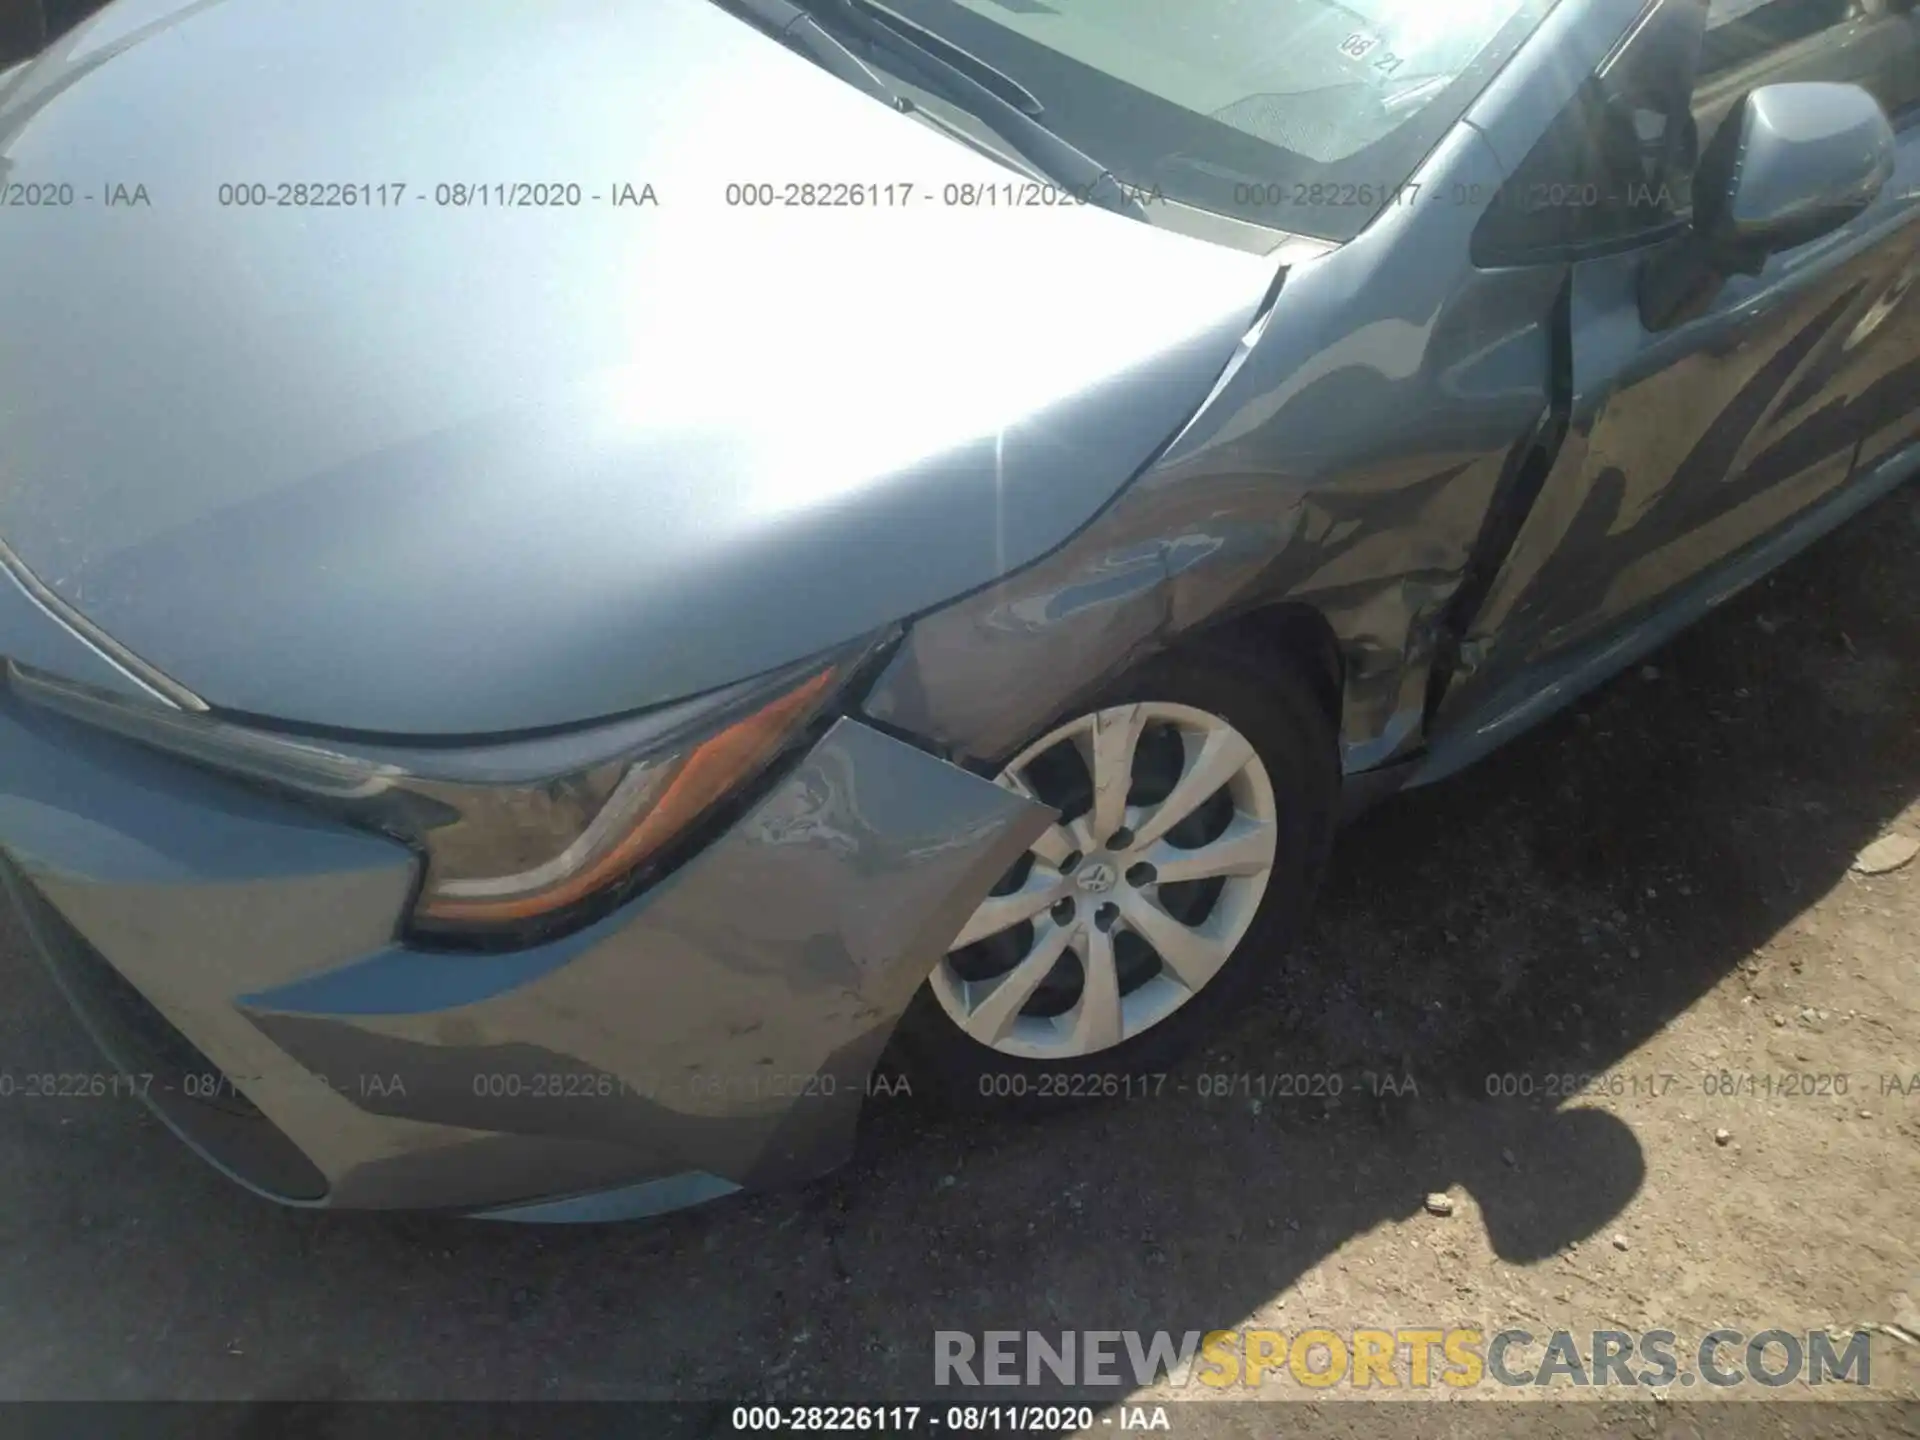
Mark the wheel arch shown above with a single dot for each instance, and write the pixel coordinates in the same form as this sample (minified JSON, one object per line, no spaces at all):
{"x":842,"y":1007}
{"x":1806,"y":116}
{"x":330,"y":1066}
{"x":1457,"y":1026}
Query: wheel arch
{"x":1283,"y":632}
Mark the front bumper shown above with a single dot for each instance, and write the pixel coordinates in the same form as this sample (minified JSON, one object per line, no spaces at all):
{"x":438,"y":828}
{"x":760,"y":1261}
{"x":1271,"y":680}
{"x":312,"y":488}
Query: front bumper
{"x":236,"y":959}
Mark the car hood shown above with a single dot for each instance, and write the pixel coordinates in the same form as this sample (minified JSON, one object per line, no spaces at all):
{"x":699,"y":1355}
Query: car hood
{"x":453,"y":461}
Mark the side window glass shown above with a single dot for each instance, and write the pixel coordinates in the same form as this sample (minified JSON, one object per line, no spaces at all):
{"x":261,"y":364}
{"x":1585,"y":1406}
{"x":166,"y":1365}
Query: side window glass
{"x":1616,"y":168}
{"x":1740,"y":32}
{"x":1749,"y":43}
{"x":1612,"y":169}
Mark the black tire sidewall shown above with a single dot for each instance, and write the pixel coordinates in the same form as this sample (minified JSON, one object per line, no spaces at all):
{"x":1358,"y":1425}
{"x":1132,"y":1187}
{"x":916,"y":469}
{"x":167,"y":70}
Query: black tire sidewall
{"x":1268,"y":700}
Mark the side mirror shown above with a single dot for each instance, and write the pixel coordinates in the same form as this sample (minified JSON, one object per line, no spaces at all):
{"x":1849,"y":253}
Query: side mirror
{"x":1789,"y":164}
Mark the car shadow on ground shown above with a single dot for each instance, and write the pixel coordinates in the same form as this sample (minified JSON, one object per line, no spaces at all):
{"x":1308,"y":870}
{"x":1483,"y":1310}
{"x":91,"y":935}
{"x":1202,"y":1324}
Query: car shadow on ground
{"x":1539,"y":916}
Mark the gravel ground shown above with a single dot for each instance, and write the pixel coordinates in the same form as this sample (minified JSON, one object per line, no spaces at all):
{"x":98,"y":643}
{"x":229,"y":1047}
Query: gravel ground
{"x":1657,"y":889}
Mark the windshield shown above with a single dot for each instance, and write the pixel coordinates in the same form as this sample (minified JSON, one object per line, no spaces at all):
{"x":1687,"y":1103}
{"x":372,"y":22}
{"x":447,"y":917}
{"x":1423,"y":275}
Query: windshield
{"x":1298,"y":115}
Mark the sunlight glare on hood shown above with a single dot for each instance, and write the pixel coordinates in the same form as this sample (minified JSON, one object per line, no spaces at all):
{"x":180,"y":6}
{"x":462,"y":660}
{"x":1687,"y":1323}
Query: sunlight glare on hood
{"x":956,"y":375}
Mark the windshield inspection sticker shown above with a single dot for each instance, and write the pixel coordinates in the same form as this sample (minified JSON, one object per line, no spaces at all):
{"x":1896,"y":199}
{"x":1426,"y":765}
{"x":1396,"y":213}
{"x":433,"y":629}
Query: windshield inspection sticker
{"x":1362,"y":46}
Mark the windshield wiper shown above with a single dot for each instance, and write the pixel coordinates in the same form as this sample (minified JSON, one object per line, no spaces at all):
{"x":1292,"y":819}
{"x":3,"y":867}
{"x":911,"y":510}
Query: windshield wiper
{"x":973,"y":66}
{"x":997,"y":100}
{"x":789,"y":23}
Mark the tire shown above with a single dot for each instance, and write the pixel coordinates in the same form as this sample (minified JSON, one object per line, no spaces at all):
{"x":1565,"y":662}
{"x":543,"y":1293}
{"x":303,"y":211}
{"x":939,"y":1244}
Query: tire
{"x":1270,"y":703}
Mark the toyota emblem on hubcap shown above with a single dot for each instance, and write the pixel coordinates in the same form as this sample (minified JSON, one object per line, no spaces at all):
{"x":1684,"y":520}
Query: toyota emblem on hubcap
{"x":1097,"y":878}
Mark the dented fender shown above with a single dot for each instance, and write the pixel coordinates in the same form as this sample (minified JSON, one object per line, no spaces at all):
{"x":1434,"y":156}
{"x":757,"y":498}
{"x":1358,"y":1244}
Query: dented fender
{"x":1347,"y":464}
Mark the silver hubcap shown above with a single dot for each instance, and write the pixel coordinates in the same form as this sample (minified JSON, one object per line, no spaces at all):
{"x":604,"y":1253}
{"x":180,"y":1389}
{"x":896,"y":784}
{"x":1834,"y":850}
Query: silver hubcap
{"x":1121,"y":913}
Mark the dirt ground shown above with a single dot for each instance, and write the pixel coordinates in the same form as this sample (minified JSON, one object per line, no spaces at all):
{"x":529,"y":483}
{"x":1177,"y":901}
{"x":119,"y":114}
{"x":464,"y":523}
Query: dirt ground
{"x":1655,"y":890}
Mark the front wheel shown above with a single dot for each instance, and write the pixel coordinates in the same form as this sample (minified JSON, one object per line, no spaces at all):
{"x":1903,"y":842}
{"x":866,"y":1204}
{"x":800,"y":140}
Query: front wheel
{"x":1197,"y":800}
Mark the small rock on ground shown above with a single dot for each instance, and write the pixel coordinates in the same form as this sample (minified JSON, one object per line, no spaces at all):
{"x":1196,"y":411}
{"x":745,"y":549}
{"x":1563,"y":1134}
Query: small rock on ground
{"x":1887,"y":853}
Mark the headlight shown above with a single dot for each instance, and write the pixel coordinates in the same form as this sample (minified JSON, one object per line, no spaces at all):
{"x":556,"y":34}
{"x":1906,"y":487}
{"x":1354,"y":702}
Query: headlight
{"x":523,"y":838}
